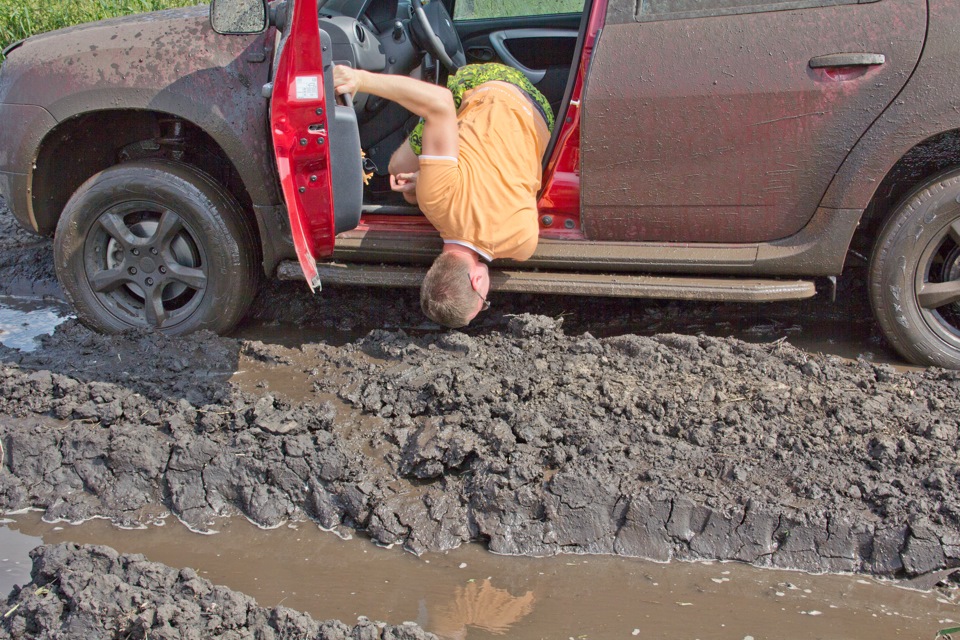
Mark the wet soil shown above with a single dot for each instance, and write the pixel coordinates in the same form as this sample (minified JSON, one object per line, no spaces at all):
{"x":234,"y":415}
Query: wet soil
{"x":26,"y":260}
{"x":478,"y":595}
{"x":552,"y":426}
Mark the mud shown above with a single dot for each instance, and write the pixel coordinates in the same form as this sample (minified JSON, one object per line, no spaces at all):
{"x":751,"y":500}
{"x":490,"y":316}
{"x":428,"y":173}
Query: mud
{"x":94,"y":592}
{"x":26,"y":260}
{"x":527,"y":433}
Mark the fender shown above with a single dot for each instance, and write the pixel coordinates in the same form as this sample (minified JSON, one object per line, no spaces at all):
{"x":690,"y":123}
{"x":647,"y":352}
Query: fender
{"x":168,"y":61}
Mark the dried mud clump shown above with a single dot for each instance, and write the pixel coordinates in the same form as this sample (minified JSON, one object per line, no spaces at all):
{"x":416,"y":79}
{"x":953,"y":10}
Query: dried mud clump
{"x":84,"y":592}
{"x":98,"y":425}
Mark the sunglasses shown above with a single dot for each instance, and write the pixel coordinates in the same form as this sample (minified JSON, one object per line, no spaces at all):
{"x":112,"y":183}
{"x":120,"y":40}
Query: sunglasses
{"x":486,"y":303}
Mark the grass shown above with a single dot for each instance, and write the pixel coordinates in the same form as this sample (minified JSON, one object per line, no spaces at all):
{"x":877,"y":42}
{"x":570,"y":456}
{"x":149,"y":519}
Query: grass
{"x":479,"y":9}
{"x":20,"y":19}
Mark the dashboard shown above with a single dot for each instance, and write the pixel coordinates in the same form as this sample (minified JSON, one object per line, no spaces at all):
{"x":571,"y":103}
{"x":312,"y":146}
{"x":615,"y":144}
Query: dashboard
{"x":373,"y":35}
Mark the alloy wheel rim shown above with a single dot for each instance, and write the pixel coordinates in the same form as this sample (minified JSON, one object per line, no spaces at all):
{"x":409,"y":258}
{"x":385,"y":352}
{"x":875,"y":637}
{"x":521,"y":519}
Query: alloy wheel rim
{"x":144,"y":265}
{"x":937,"y":284}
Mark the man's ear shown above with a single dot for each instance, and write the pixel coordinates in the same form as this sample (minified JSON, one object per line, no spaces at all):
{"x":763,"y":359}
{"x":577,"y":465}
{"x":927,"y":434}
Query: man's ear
{"x":479,"y":276}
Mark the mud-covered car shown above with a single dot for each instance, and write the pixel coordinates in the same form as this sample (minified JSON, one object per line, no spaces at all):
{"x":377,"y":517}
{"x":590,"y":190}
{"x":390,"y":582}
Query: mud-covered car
{"x":710,"y":150}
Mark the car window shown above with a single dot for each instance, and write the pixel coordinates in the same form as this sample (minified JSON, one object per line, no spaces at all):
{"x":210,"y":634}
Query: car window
{"x":486,"y":9}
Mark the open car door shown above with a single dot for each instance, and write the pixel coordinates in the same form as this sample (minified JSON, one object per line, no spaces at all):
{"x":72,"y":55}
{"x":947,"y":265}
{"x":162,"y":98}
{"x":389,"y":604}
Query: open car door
{"x":316,"y":141}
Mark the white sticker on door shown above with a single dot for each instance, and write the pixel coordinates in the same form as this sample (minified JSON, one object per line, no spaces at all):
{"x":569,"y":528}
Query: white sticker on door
{"x":308,"y":88}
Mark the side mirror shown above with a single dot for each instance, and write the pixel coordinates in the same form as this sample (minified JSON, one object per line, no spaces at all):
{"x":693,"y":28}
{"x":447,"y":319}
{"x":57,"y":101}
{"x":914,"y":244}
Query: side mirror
{"x":238,"y":17}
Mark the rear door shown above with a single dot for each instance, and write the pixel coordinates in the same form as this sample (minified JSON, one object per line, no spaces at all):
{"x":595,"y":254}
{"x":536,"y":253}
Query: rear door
{"x":725,"y":120}
{"x":316,"y":142}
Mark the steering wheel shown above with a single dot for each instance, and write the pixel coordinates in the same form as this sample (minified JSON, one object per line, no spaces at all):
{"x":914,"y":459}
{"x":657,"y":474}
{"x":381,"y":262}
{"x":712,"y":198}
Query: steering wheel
{"x":435,"y":33}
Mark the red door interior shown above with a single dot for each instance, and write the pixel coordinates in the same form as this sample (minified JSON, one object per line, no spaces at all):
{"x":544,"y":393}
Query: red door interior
{"x":298,"y":121}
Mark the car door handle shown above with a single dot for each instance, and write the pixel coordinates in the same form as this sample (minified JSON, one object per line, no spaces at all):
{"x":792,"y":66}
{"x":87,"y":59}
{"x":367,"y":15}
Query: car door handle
{"x":848,"y":60}
{"x":483,"y":54}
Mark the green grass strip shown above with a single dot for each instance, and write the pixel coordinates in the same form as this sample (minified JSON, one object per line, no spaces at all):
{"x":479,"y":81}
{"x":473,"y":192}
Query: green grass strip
{"x":481,"y":9}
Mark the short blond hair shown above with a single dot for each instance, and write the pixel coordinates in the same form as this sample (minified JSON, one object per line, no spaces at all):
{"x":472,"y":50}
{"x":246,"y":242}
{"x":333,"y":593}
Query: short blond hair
{"x":447,"y":295}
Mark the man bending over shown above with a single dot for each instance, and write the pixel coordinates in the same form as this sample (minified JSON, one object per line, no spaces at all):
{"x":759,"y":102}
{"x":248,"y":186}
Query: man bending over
{"x":473,"y":166}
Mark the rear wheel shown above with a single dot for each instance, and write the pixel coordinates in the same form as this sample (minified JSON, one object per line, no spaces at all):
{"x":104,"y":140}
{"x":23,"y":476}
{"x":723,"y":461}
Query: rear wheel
{"x":915,"y":274}
{"x":156,"y":244}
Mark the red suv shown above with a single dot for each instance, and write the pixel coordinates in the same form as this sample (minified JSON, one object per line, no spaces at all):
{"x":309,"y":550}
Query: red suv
{"x":710,"y":150}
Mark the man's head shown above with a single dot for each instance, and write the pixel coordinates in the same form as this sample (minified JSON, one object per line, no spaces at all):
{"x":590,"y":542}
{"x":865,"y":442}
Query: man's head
{"x":455,"y":288}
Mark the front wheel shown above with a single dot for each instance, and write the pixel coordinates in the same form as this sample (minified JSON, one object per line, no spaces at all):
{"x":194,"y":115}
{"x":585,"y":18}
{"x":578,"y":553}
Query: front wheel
{"x":915,"y":274}
{"x":156,"y":244}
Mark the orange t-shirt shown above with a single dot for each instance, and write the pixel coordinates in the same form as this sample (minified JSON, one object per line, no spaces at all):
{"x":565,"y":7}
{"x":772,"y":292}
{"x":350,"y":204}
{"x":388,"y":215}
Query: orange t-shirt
{"x":487,"y":197}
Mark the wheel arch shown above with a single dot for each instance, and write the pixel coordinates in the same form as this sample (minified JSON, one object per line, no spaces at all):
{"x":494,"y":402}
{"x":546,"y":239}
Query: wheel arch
{"x":87,"y":143}
{"x":929,"y":157}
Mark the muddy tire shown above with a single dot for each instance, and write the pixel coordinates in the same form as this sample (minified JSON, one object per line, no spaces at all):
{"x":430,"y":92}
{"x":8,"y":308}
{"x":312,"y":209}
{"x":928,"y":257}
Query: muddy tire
{"x":915,"y":274}
{"x":156,"y":244}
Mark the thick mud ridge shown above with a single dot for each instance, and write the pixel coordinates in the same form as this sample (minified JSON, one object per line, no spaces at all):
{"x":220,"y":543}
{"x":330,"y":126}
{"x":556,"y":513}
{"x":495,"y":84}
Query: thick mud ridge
{"x":517,"y":433}
{"x":671,"y":446}
{"x":87,"y":592}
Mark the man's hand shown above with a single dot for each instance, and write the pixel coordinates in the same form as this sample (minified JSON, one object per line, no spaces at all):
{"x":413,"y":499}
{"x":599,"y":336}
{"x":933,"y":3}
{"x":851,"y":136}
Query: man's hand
{"x":346,"y":80}
{"x":406,"y":183}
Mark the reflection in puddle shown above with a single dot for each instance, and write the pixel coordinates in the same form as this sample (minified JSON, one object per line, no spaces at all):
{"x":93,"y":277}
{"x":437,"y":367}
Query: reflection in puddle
{"x":22,"y":320}
{"x":471,"y":594}
{"x":482,"y":606}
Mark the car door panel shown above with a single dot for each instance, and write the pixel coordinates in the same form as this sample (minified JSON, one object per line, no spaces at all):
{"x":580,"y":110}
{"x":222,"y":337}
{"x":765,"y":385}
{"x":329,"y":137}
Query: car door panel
{"x":316,"y":143}
{"x":717,"y":129}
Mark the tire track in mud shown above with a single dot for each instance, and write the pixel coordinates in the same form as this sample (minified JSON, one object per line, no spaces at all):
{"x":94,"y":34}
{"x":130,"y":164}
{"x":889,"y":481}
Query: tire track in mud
{"x":515,"y":433}
{"x":676,"y":446}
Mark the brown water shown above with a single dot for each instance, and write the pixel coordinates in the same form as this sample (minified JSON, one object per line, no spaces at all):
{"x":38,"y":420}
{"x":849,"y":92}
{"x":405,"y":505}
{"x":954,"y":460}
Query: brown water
{"x":470,"y":593}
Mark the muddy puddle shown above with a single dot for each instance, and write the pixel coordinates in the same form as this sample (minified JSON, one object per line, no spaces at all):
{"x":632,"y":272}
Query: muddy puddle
{"x":22,"y":320}
{"x":470,"y":593}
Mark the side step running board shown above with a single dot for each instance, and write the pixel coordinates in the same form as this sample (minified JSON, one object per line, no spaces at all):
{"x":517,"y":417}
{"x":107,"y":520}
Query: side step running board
{"x":719,"y":289}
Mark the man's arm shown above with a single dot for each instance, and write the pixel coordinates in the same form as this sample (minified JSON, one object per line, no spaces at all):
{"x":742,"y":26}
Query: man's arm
{"x":432,"y":103}
{"x":404,"y":160}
